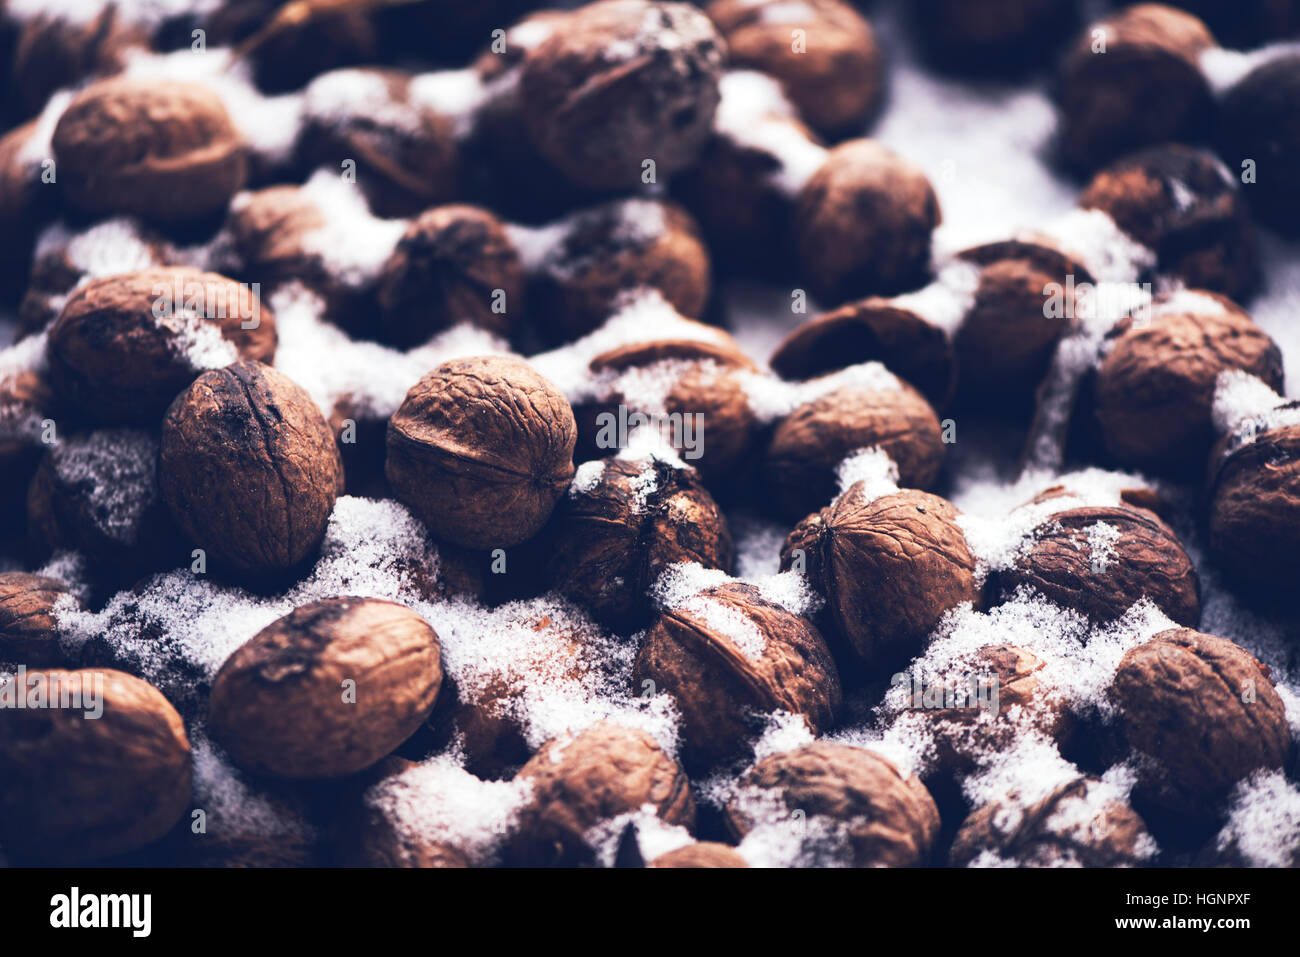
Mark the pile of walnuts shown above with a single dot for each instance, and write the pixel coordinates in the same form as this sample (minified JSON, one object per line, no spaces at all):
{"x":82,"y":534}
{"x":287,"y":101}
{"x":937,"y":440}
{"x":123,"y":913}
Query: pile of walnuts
{"x":564,"y":194}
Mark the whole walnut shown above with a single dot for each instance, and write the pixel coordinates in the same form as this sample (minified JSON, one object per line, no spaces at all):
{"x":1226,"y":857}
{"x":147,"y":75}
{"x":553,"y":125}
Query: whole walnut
{"x":581,"y":782}
{"x":863,"y":224}
{"x":728,"y":656}
{"x":327,"y":690}
{"x":853,"y":799}
{"x":481,"y":450}
{"x":81,"y":786}
{"x":1254,"y":495}
{"x":1200,"y":714}
{"x":1151,"y":397}
{"x":406,"y":154}
{"x":249,"y":468}
{"x":720,"y":399}
{"x":622,"y":523}
{"x":367,"y":835}
{"x":991,"y":36}
{"x":1145,"y":87}
{"x":453,"y":264}
{"x":836,"y":79}
{"x":1257,"y":122}
{"x":872,"y":330}
{"x":1077,"y":825}
{"x":97,"y":493}
{"x":603,"y":253}
{"x":26,"y":404}
{"x":55,"y":52}
{"x":701,"y":854}
{"x":1099,"y":561}
{"x":1007,"y":338}
{"x":166,"y":152}
{"x":970,"y":730}
{"x":623,"y":82}
{"x":28,"y":628}
{"x":124,"y":346}
{"x":1182,"y":203}
{"x":808,"y":445}
{"x":889,"y":569}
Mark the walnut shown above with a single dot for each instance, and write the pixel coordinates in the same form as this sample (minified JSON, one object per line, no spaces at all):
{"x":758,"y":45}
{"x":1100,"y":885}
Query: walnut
{"x":406,"y":154}
{"x":836,"y":82}
{"x":453,"y":264}
{"x":623,"y":82}
{"x":889,"y":569}
{"x":166,"y":152}
{"x":97,"y":493}
{"x":582,"y":782}
{"x":1077,"y":825}
{"x":1006,"y":341}
{"x":1200,"y":714}
{"x":728,"y":656}
{"x":872,"y":330}
{"x":79,"y":786}
{"x":28,"y":629}
{"x":701,"y":854}
{"x":124,"y":346}
{"x":249,"y":468}
{"x":863,"y":224}
{"x":1025,"y":702}
{"x":1099,"y":561}
{"x":1257,"y":121}
{"x":871,"y":813}
{"x":799,"y":467}
{"x":327,"y":690}
{"x":1181,"y":203}
{"x":1146,"y":88}
{"x":623,"y":522}
{"x":26,"y":205}
{"x":990,"y":36}
{"x":604,"y":252}
{"x":1152,"y":395}
{"x":480,"y":450}
{"x":1254,"y":494}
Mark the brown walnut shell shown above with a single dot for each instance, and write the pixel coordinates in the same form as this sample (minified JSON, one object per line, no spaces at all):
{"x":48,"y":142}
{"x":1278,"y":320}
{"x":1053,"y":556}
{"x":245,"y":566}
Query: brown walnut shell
{"x":124,"y":346}
{"x":624,"y":81}
{"x":97,"y":493}
{"x":889,"y":820}
{"x":1257,"y":122}
{"x":26,"y":205}
{"x":1044,"y":835}
{"x":608,"y":250}
{"x":1255,"y":510}
{"x":580,"y":783}
{"x":52,"y":53}
{"x":871,"y":330}
{"x":701,"y":854}
{"x":281,"y":704}
{"x":166,"y":152}
{"x":1201,"y":714}
{"x":808,"y":445}
{"x":28,"y":629}
{"x":1182,"y":203}
{"x":1152,"y":395}
{"x":480,"y":450}
{"x":78,"y":789}
{"x":836,"y":80}
{"x":1101,"y":577}
{"x":1146,"y":88}
{"x":889,"y":569}
{"x":403,"y":168}
{"x":863,"y":224}
{"x":447,"y":269}
{"x":721,"y":691}
{"x":249,"y":468}
{"x":609,"y":542}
